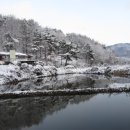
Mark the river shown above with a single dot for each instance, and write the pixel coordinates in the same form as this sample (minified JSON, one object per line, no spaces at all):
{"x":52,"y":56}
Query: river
{"x":77,"y":112}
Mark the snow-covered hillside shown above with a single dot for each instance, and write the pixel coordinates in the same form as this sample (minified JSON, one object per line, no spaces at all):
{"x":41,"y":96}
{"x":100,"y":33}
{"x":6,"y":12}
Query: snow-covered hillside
{"x":51,"y":45}
{"x":121,"y":49}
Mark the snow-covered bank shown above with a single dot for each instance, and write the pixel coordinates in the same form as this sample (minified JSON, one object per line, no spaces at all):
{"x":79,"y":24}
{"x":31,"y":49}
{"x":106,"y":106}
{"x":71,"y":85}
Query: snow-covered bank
{"x":118,"y":70}
{"x":14,"y":73}
{"x":10,"y":73}
{"x":62,"y":92}
{"x":64,"y":82}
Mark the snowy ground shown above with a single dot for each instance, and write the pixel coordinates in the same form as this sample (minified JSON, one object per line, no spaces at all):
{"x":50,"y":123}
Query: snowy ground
{"x":115,"y":69}
{"x":14,"y":73}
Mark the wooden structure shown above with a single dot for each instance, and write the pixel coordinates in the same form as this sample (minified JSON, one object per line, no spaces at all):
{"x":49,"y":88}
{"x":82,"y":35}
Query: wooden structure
{"x":5,"y":56}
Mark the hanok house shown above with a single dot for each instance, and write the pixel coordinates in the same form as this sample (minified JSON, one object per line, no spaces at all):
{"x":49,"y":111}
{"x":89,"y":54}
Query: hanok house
{"x":5,"y":56}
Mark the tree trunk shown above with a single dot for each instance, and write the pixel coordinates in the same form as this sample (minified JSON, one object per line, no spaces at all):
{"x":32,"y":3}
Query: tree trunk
{"x":45,"y":55}
{"x":61,"y":60}
{"x":66,"y":60}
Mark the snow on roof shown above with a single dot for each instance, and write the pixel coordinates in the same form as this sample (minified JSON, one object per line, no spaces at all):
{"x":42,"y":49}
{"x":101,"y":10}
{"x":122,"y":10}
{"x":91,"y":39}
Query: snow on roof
{"x":17,"y":54}
{"x":4,"y":53}
{"x":20,"y":54}
{"x":66,"y":54}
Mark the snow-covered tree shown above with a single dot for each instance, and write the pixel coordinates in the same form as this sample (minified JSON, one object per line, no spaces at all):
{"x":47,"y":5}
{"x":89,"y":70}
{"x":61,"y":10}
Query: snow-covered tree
{"x":68,"y":51}
{"x":10,"y":42}
{"x":53,"y":43}
{"x":2,"y":21}
{"x":27,"y":30}
{"x":89,"y":55}
{"x":37,"y":42}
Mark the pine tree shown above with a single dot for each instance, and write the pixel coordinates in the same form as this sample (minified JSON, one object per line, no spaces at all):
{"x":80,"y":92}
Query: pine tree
{"x":89,"y":55}
{"x":9,"y":43}
{"x":68,"y":51}
{"x":37,"y":42}
{"x":25,"y":35}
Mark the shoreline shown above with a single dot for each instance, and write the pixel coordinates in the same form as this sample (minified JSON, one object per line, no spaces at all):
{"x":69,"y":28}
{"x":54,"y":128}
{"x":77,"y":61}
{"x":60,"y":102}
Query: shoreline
{"x":64,"y":92}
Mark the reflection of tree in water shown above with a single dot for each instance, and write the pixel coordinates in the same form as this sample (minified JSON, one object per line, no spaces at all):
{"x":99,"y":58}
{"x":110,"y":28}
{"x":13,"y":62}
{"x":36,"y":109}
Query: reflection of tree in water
{"x":53,"y":83}
{"x":25,"y":112}
{"x":65,"y":82}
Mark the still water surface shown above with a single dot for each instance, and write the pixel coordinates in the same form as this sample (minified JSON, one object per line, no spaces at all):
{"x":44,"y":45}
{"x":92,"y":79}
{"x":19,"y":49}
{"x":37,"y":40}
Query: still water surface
{"x":79,"y":112}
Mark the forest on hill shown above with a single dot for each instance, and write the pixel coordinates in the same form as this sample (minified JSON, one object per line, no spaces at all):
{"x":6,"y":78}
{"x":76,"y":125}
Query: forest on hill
{"x":53,"y":46}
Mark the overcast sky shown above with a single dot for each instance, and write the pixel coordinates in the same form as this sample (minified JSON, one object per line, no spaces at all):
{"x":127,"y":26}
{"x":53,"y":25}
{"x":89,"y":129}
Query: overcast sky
{"x":107,"y":21}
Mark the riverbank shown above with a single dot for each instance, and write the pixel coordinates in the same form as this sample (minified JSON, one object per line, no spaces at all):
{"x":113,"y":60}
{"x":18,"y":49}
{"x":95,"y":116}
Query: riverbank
{"x":64,"y":92}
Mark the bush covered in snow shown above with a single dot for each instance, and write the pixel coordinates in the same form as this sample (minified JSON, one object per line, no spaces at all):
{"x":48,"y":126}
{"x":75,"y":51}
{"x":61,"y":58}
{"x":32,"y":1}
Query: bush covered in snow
{"x":69,"y":67}
{"x":38,"y":70}
{"x":51,"y":69}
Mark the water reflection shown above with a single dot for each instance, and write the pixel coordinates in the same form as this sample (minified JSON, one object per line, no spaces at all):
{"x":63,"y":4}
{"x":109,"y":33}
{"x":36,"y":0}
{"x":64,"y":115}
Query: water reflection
{"x":109,"y":112}
{"x":66,"y":112}
{"x":25,"y":112}
{"x":68,"y":82}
